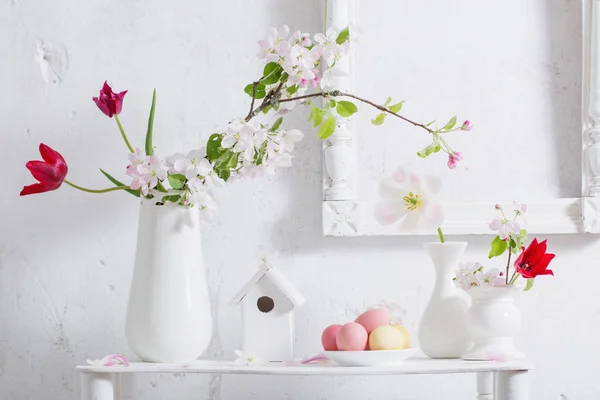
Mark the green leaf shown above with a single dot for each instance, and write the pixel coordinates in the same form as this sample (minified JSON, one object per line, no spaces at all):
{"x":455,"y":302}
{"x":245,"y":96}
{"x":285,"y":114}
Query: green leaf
{"x":260,"y":90}
{"x":172,"y":198}
{"x":343,"y":35}
{"x":388,"y":101}
{"x":450,"y":124}
{"x":328,"y":127}
{"x":529,"y":284}
{"x":223,"y":165}
{"x":316,"y":115}
{"x":292,"y":89}
{"x":161,"y":188}
{"x":430,"y":123}
{"x":396,"y":107}
{"x":346,"y":108}
{"x":177,"y":181}
{"x":379,"y":119}
{"x":232,"y":161}
{"x":277,"y":124}
{"x":260,"y":154}
{"x":271,"y":73}
{"x":149,"y":147}
{"x":266,"y":109}
{"x":136,"y":193}
{"x":427,"y":151}
{"x":213,"y":147}
{"x":513,"y":244}
{"x":331,"y":103}
{"x":284,"y":77}
{"x":224,"y":174}
{"x":498,"y":247}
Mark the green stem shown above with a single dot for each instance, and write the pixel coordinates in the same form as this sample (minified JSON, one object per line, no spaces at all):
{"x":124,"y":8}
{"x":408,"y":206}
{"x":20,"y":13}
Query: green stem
{"x":514,"y":278}
{"x":508,"y":262}
{"x":441,"y":235}
{"x":123,"y":134}
{"x":112,"y":189}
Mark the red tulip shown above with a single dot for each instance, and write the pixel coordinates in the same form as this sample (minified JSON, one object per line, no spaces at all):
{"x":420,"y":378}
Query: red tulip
{"x":534,"y":260}
{"x":51,"y":172}
{"x":108,"y":102}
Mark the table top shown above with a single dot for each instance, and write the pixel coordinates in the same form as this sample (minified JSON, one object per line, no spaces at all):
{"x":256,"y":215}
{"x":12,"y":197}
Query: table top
{"x":416,"y":365}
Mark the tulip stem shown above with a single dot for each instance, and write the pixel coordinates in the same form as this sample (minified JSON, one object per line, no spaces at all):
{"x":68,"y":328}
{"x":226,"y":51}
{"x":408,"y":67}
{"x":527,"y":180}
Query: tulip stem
{"x":514,"y":278}
{"x":112,"y":189}
{"x":441,"y":234}
{"x":123,"y":134}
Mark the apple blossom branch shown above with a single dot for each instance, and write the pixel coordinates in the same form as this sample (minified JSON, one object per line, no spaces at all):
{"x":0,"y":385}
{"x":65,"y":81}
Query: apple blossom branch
{"x":274,"y":98}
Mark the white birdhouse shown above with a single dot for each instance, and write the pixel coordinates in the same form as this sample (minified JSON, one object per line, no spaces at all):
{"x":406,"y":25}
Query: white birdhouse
{"x":268,"y":301}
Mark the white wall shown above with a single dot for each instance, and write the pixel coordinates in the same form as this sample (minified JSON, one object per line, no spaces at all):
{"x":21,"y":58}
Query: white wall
{"x":66,"y":257}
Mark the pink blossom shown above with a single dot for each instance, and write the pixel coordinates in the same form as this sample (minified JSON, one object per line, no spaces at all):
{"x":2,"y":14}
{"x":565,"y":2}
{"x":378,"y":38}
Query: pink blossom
{"x":453,"y":159}
{"x":466,"y":126}
{"x":109,"y":361}
{"x":312,"y":82}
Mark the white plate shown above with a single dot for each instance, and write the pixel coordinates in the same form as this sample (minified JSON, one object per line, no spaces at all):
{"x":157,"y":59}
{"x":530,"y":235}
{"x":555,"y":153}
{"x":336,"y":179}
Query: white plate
{"x":370,"y":358}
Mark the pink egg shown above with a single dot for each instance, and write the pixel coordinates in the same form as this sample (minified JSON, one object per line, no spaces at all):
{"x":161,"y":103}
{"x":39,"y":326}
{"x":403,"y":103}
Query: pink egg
{"x":374,"y":318}
{"x":328,"y":337}
{"x":352,"y":337}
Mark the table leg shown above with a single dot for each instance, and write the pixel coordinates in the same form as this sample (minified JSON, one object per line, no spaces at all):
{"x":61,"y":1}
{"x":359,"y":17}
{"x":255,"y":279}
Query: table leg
{"x":511,"y":385}
{"x":103,"y":386}
{"x":485,"y":386}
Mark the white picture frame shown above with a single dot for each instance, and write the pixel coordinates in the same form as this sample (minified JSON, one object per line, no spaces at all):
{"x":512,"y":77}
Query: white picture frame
{"x":344,"y":215}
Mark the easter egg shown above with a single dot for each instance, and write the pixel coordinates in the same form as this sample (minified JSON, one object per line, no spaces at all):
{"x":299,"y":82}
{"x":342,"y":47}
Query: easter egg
{"x":352,"y":337}
{"x":373,"y":318}
{"x":386,"y":337}
{"x":328,"y":337}
{"x":405,"y":333}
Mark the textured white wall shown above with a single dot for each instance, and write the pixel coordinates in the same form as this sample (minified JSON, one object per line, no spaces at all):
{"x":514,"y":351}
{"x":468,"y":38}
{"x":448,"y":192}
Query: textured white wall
{"x":66,"y":257}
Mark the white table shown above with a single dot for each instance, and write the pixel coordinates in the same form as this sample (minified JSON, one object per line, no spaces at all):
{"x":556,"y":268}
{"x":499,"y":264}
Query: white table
{"x":495,"y":380}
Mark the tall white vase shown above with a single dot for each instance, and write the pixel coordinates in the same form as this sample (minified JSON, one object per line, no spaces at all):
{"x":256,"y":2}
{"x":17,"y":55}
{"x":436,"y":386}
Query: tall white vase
{"x":443,"y":327}
{"x":493,"y":322}
{"x":168,"y":316}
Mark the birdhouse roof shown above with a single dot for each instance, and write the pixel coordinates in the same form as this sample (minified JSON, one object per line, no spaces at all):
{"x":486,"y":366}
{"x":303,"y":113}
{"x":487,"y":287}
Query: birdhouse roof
{"x":278,"y":280}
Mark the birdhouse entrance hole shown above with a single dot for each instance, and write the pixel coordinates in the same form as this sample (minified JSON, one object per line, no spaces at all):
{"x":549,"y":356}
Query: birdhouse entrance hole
{"x":265,"y":304}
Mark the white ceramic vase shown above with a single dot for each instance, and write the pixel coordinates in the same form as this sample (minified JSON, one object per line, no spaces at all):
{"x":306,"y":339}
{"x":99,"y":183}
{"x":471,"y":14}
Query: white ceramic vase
{"x":493,"y":321}
{"x":443,"y":327}
{"x":168,"y":316}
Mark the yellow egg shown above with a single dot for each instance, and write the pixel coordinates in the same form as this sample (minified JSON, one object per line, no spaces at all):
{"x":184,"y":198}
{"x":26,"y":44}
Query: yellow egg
{"x":386,"y":337}
{"x":405,"y":333}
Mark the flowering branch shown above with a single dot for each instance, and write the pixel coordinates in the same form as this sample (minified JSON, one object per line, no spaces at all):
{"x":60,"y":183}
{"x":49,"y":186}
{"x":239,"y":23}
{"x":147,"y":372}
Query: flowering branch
{"x":337,"y":93}
{"x":532,"y":262}
{"x":258,"y":143}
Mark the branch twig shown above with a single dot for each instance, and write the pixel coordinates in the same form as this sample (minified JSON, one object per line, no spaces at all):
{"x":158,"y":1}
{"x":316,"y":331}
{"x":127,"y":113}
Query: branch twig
{"x":254,"y":85}
{"x":266,"y":102}
{"x":337,"y":93}
{"x":508,"y":263}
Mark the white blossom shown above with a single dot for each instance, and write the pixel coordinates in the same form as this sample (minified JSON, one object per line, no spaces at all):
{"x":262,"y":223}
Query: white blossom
{"x":409,"y":200}
{"x":505,"y":227}
{"x":147,"y":174}
{"x":247,"y":359}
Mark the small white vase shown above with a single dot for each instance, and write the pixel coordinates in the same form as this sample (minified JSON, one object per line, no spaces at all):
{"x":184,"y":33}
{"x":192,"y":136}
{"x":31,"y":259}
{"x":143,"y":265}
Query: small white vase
{"x":443,"y":327}
{"x":168,"y":316}
{"x":493,"y":321}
